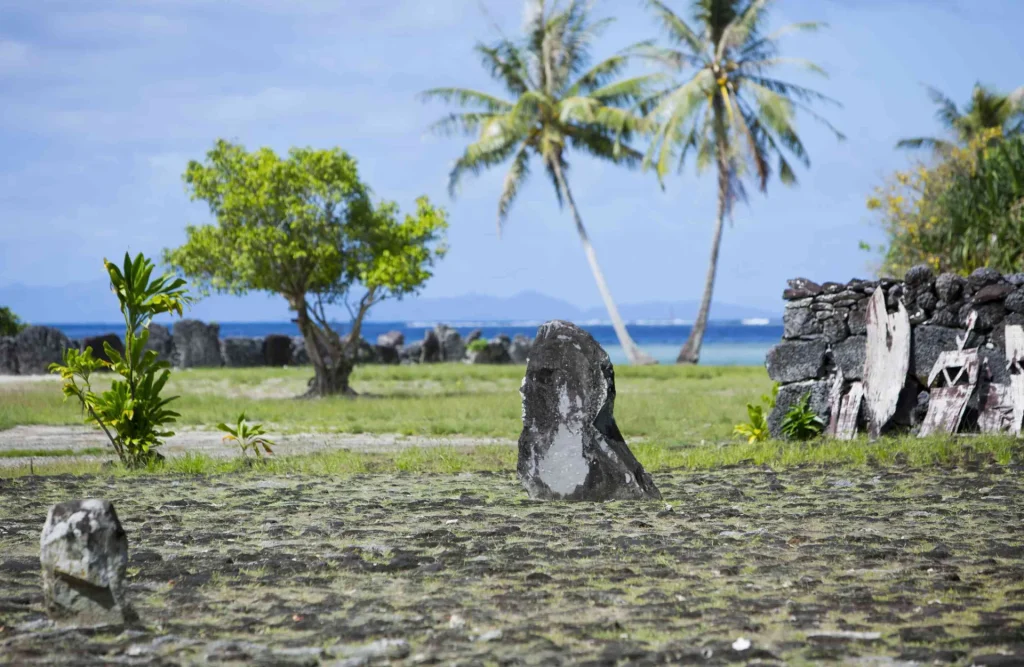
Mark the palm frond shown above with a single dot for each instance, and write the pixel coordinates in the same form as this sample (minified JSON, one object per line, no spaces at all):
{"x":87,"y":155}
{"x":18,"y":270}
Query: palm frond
{"x":932,"y":143}
{"x":947,"y":113}
{"x":461,"y":123}
{"x":765,"y":46}
{"x":479,"y":155}
{"x":678,"y":30}
{"x":740,"y":30}
{"x":466,"y":97}
{"x":504,"y":62}
{"x":514,"y":179}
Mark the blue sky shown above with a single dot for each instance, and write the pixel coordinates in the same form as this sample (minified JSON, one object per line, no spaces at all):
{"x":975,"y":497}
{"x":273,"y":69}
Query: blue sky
{"x":105,"y":102}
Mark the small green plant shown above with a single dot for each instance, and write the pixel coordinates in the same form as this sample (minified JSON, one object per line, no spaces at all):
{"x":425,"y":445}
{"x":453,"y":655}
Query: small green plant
{"x":131,"y":413}
{"x":10,"y":324}
{"x":248,"y":436}
{"x":478,"y":345}
{"x":756,"y":430}
{"x":801,"y":422}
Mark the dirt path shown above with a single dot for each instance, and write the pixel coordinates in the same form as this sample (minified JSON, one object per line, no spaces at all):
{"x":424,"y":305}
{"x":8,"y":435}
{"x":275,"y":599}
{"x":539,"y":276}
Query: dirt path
{"x":210,"y":443}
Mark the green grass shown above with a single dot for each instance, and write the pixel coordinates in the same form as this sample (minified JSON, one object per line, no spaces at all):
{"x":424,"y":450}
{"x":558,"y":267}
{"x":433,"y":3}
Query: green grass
{"x":672,"y":418}
{"x":666,"y":404}
{"x":51,"y":453}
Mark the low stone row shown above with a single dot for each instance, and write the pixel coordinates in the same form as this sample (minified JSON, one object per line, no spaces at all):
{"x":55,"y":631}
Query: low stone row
{"x":195,"y":344}
{"x":825,"y":327}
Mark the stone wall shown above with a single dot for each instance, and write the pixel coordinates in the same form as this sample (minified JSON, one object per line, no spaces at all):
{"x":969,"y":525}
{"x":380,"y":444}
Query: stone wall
{"x":193,"y":344}
{"x":824,"y":328}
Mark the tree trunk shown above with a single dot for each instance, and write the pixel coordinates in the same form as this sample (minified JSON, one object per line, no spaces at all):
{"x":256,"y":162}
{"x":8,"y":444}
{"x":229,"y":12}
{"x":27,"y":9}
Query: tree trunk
{"x":690,"y":353}
{"x":633,"y":353}
{"x":331,"y":367}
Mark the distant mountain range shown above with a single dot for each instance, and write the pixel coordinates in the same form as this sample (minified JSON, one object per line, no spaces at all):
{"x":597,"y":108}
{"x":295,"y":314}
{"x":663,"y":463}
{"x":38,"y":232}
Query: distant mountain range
{"x":93,"y":303}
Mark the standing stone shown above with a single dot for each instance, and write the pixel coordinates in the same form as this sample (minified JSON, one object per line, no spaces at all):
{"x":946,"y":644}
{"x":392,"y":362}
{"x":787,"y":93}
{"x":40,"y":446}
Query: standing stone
{"x":570,"y":447}
{"x":196,"y":345}
{"x":799,"y":322}
{"x":519,"y":349}
{"x":791,"y":394}
{"x":37,"y":347}
{"x":394,"y":339}
{"x":452,"y":347}
{"x":411,"y":353}
{"x":160,"y":341}
{"x":389,"y":347}
{"x":473,"y":335}
{"x":277,"y":350}
{"x":849,"y":356}
{"x":241,"y":352}
{"x":84,"y":555}
{"x":297,"y":353}
{"x":96,"y":343}
{"x":494,"y":353}
{"x":8,"y":357}
{"x":795,"y":360}
{"x":430,"y":349}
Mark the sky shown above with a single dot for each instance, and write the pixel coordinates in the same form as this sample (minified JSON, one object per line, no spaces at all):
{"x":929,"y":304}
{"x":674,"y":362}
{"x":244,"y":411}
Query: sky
{"x":104,"y":103}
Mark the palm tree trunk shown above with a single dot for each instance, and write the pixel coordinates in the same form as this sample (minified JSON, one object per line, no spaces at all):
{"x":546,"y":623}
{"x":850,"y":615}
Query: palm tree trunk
{"x":690,"y":353}
{"x":633,"y":353}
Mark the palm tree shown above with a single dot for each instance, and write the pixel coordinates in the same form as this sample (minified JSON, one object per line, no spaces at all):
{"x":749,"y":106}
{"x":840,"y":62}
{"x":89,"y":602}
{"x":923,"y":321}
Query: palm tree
{"x":731,"y":111}
{"x":558,"y":101}
{"x":987,"y":109}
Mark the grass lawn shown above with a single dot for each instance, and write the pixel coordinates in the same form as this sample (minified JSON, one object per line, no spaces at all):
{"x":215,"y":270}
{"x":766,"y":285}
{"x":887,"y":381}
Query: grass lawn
{"x":672,"y":417}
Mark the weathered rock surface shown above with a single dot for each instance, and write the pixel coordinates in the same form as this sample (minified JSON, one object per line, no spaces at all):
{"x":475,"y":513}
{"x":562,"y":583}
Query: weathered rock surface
{"x":84,"y":556}
{"x":412,"y":352}
{"x":570,"y":447}
{"x":241,"y":352}
{"x":495,"y":353}
{"x":395,"y":339}
{"x":795,"y":360}
{"x":452,"y":347}
{"x":160,"y":341}
{"x":473,"y":335}
{"x":37,"y":347}
{"x":849,"y":356}
{"x":519,"y":349}
{"x":196,"y":344}
{"x":8,"y":356}
{"x":96,"y":343}
{"x":926,"y":343}
{"x":430,"y":348}
{"x":799,"y":322}
{"x":277,"y":350}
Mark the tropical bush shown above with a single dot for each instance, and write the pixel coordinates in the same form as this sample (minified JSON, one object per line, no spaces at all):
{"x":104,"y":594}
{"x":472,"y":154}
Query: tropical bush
{"x":478,"y":345}
{"x":132,"y":413}
{"x":964,"y":212}
{"x":10,"y":324}
{"x":247,"y":436}
{"x":801,"y":422}
{"x":756,"y":429}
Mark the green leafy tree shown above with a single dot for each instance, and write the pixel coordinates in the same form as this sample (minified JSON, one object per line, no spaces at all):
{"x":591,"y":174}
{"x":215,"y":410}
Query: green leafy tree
{"x":730,"y":110}
{"x":10,"y":324}
{"x":558,"y":101}
{"x":304,"y":227}
{"x":132,"y":413}
{"x":987,"y":109}
{"x":964,"y":212}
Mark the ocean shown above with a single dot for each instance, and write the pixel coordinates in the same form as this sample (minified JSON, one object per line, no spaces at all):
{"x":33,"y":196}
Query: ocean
{"x":725,"y":343}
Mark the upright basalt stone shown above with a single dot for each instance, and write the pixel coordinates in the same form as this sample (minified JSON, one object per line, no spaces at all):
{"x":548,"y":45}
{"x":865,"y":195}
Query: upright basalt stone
{"x":570,"y":447}
{"x":452,"y":347}
{"x":519,"y":349}
{"x":430,"y":348}
{"x":796,"y":360}
{"x":196,"y":345}
{"x":37,"y":347}
{"x":277,"y":350}
{"x":160,"y":341}
{"x":298,"y":354}
{"x":95,"y":343}
{"x":241,"y":352}
{"x":84,"y":556}
{"x":8,"y":358}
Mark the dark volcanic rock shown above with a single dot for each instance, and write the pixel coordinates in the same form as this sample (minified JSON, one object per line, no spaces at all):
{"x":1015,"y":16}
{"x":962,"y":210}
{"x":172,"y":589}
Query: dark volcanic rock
{"x":1015,"y":301}
{"x":849,"y":356}
{"x":993,"y":362}
{"x":160,"y":341}
{"x":394,"y":339}
{"x":297,"y":351}
{"x":430,"y":348}
{"x":241,"y":352}
{"x":801,"y":288}
{"x":495,"y":353}
{"x":410,"y":354}
{"x":387,"y":354}
{"x":857,"y":321}
{"x":277,"y":350}
{"x":452,"y":347}
{"x":8,"y":358}
{"x":949,"y":287}
{"x":519,"y":349}
{"x":37,"y":347}
{"x":926,"y":343}
{"x":96,"y":344}
{"x":84,"y":555}
{"x":795,"y":360}
{"x":984,"y":276}
{"x":473,"y":335}
{"x":989,"y":315}
{"x":835,"y":329}
{"x":790,"y":394}
{"x":990,"y":293}
{"x":918,"y":275}
{"x":800,"y":323}
{"x":364,"y":352}
{"x":571,"y":447}
{"x":196,"y":345}
{"x":927,"y":301}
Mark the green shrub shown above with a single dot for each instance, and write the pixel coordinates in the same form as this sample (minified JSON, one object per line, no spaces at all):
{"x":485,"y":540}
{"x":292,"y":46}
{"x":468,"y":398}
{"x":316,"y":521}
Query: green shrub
{"x":756,"y":430}
{"x":801,"y":422}
{"x":478,"y":345}
{"x":131,"y":413}
{"x":10,"y":324}
{"x":248,"y":436}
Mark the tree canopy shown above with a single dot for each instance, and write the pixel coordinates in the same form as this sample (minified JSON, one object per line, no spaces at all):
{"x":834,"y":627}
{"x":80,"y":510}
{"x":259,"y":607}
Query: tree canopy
{"x":304,"y":227}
